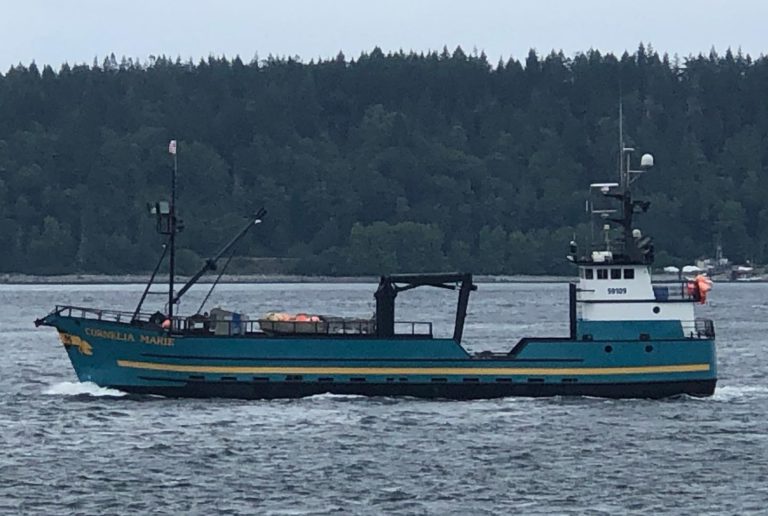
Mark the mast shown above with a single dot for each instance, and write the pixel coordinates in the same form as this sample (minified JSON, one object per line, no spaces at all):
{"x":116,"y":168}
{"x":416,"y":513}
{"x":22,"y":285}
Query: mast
{"x":621,"y":142}
{"x":168,"y":224}
{"x":172,"y":229}
{"x":632,"y":246}
{"x":626,"y":200}
{"x":626,"y":177}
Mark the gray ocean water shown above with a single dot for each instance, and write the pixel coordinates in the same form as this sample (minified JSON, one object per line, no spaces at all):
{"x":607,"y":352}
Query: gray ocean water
{"x":71,"y":448}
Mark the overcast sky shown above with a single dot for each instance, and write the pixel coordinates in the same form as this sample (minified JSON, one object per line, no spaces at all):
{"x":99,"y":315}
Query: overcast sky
{"x":76,"y":31}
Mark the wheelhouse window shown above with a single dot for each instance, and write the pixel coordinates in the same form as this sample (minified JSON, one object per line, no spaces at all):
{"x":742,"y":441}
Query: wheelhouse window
{"x":602,"y":273}
{"x":615,"y":273}
{"x":589,"y":274}
{"x":629,"y":273}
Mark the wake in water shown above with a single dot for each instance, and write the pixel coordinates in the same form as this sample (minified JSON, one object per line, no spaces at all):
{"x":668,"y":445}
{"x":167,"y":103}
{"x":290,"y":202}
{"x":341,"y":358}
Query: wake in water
{"x":81,"y":388}
{"x":335,"y":397}
{"x":740,"y":392}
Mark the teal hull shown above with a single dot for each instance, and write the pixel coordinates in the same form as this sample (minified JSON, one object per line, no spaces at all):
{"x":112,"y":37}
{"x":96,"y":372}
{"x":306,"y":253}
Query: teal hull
{"x":147,"y":360}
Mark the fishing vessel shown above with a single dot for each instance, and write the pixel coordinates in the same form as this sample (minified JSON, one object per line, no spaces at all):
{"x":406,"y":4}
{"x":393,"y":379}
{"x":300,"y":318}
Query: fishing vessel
{"x":628,"y":337}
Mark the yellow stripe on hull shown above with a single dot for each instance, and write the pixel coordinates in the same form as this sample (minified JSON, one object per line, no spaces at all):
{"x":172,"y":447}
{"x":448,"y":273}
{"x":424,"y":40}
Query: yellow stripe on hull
{"x":481,"y":371}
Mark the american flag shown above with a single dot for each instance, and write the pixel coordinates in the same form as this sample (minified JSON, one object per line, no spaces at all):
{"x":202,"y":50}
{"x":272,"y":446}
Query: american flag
{"x":172,"y":147}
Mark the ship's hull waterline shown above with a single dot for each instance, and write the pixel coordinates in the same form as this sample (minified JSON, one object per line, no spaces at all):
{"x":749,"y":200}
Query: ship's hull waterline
{"x":275,"y":390}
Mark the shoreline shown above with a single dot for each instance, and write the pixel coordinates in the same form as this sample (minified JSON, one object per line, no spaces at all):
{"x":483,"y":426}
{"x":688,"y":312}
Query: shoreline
{"x":124,"y":279}
{"x":128,"y":279}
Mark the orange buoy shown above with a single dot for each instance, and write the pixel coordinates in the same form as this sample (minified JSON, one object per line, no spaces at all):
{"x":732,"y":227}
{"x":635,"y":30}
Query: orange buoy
{"x":703,"y":285}
{"x":166,"y":324}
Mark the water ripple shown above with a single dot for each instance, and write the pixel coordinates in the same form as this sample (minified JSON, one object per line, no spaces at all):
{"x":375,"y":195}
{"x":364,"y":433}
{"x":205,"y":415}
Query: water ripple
{"x":78,"y":448}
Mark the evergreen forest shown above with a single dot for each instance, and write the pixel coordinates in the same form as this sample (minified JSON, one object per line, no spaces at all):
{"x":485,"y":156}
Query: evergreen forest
{"x":383,"y":163}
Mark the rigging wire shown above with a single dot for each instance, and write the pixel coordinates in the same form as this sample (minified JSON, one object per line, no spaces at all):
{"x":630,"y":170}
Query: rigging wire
{"x":149,"y":283}
{"x":216,"y":282}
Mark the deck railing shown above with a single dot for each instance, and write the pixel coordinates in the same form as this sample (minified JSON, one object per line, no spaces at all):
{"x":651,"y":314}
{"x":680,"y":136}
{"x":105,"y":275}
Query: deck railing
{"x":231,"y":326}
{"x":705,"y":328}
{"x":674,"y":292}
{"x":99,"y":314}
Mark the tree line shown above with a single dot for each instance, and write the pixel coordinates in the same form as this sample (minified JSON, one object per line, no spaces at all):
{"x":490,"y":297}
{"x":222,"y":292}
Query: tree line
{"x":382,"y":163}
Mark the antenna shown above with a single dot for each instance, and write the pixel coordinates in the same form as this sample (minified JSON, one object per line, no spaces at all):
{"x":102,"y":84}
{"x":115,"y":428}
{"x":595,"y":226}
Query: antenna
{"x":173,"y":229}
{"x":621,"y":133}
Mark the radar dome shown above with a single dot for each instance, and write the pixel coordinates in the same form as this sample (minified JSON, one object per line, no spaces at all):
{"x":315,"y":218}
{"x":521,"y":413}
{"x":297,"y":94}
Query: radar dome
{"x":646,"y":161}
